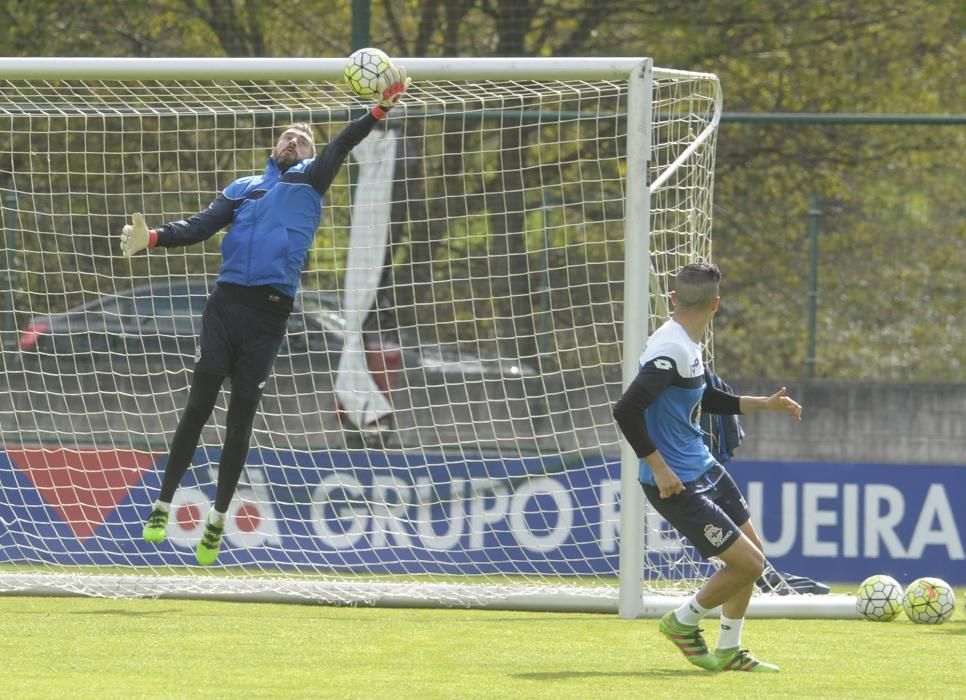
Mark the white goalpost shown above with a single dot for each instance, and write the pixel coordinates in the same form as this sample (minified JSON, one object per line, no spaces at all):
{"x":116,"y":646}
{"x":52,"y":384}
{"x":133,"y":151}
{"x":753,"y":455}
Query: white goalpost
{"x":438,"y":428}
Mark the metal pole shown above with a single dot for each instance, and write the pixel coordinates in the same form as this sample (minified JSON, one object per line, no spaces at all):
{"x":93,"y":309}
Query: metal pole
{"x":8,"y":273}
{"x":637,"y":265}
{"x":814,"y":224}
{"x":361,"y":14}
{"x":543,"y":292}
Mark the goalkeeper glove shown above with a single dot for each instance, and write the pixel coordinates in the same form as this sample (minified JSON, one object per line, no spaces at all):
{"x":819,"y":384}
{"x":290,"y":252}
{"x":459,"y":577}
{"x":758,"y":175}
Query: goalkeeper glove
{"x":390,"y":87}
{"x":136,"y":237}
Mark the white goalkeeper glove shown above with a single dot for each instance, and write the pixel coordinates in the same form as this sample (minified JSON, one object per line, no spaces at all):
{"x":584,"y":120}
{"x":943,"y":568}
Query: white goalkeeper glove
{"x":135,"y":237}
{"x":390,"y":86}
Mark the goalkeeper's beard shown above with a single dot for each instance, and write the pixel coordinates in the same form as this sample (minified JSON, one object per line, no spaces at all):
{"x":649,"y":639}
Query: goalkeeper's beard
{"x":286,"y":159}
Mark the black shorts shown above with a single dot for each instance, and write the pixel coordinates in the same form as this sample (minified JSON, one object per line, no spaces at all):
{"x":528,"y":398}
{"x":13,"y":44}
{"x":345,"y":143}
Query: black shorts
{"x":709,"y":512}
{"x":240,"y":342}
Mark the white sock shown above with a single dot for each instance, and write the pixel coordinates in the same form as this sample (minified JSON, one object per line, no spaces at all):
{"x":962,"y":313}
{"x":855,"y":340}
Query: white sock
{"x":215,"y":518}
{"x":166,"y":507}
{"x":691,"y":612}
{"x":730,"y":636}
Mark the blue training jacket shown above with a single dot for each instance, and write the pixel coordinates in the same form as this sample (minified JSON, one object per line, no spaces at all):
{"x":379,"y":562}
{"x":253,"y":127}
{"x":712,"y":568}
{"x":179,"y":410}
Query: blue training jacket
{"x":273,"y":217}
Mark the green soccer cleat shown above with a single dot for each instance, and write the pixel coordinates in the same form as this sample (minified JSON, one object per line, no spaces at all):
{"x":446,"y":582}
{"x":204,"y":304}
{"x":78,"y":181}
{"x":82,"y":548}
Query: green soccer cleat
{"x":155,"y":529}
{"x":208,"y":548}
{"x":688,"y":639}
{"x":735,"y":659}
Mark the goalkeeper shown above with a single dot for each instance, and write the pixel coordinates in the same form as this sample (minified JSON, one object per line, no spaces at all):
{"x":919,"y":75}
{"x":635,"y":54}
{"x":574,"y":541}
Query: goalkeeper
{"x":272,"y":219}
{"x":659,"y":415}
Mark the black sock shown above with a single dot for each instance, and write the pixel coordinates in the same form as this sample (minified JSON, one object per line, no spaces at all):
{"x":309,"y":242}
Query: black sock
{"x":201,"y":402}
{"x":238,"y":433}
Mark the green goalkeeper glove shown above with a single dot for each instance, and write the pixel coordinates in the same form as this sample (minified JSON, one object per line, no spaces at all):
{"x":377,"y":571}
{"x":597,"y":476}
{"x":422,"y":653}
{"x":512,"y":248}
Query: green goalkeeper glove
{"x":390,"y":86}
{"x":136,"y":237}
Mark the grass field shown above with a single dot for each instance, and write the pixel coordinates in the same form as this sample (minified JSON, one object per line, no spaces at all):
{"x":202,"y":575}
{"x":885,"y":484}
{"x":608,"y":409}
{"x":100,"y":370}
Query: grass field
{"x":96,"y":648}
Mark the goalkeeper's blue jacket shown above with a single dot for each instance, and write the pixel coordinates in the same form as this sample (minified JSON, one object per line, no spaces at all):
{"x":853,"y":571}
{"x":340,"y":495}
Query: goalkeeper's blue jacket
{"x":273,"y":217}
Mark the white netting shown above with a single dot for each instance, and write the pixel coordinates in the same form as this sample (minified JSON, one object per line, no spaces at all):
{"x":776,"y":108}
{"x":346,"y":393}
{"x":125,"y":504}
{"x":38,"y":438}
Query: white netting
{"x":499,"y":461}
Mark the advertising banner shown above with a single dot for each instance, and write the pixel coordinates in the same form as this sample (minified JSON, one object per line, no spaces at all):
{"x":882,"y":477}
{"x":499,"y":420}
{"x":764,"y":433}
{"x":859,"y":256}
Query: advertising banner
{"x":417,"y":512}
{"x":844,"y":522}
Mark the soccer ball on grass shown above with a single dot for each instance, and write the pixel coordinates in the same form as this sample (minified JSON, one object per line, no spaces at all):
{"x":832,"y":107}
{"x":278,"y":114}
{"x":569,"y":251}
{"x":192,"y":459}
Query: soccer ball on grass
{"x":879,"y":598}
{"x":929,"y":601}
{"x":363,"y":69}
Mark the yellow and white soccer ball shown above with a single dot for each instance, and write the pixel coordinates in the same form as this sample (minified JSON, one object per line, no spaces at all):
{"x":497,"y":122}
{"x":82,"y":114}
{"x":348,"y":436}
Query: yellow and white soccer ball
{"x":929,"y":601}
{"x":363,"y":68}
{"x":879,"y":598}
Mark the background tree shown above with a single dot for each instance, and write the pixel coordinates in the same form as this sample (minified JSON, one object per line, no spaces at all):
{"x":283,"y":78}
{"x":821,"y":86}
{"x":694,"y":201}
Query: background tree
{"x":892,"y":242}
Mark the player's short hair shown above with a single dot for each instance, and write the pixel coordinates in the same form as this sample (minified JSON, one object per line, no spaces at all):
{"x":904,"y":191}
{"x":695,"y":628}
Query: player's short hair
{"x":696,"y":284}
{"x":305,"y":128}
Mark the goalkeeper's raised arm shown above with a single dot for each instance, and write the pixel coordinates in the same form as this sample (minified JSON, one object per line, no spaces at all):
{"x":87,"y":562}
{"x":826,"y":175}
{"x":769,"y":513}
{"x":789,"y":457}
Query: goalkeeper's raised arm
{"x":295,"y":147}
{"x":324,"y":167}
{"x":272,"y":218}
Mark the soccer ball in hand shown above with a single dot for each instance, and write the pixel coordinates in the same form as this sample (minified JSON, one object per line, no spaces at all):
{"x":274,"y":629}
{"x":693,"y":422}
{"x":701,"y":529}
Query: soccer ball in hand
{"x":879,"y":598}
{"x":363,"y":69}
{"x":929,"y":601}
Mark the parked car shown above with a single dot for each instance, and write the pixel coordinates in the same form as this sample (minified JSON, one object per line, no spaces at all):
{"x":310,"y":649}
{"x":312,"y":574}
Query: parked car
{"x":161,"y":321}
{"x":157,"y":322}
{"x":447,"y":359}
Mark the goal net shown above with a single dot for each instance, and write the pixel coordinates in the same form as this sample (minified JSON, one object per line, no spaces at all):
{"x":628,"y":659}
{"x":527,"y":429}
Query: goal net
{"x":438,"y":428}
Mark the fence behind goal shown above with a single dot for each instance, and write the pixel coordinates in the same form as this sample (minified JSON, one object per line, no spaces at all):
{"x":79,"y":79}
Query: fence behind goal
{"x":438,"y":427}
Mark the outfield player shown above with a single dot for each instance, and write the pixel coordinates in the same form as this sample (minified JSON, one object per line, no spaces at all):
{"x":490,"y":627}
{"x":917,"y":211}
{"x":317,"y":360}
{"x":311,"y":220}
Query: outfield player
{"x":659,"y":415}
{"x":272,"y":219}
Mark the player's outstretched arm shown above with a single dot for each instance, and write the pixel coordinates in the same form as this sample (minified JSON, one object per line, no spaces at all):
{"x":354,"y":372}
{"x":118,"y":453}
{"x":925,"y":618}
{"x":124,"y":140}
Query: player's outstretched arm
{"x":779,"y":401}
{"x":136,"y":236}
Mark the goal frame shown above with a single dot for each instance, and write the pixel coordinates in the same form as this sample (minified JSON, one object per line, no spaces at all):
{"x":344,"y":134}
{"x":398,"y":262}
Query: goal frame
{"x":640,"y":74}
